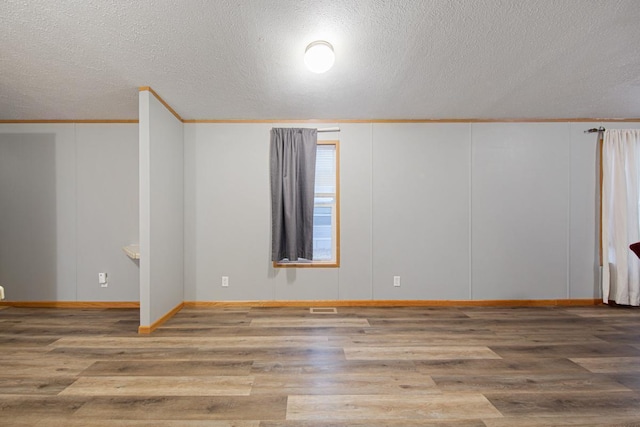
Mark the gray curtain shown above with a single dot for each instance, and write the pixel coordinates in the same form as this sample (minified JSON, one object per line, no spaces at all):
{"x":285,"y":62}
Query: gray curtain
{"x":293,"y":172}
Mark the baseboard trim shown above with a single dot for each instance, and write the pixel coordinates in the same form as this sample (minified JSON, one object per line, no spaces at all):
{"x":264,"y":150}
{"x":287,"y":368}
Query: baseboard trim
{"x":143,"y":330}
{"x":399,"y":303}
{"x":71,"y":304}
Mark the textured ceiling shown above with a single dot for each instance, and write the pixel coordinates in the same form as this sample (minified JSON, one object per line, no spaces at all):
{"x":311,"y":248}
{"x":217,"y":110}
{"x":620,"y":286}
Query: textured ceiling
{"x":241,"y":59}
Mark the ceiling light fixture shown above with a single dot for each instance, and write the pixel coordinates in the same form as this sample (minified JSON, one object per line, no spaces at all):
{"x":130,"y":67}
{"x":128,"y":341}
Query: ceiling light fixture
{"x":319,"y":56}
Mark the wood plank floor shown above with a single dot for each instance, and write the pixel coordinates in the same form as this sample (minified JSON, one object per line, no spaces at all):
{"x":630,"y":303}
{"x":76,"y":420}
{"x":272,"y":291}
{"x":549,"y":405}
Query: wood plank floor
{"x":287,"y":367}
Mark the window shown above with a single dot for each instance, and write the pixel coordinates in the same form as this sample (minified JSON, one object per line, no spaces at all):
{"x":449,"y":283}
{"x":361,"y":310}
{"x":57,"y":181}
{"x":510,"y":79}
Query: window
{"x":326,"y":211}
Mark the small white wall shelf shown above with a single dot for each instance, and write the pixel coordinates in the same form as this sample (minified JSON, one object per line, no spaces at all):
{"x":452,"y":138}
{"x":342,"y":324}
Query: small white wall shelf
{"x":132,"y":251}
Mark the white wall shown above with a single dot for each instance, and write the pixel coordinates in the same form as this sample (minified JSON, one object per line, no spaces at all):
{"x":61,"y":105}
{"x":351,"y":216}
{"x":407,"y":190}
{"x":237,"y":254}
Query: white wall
{"x":28,"y":232}
{"x":520,"y":210}
{"x":459,"y":211}
{"x":161,"y":210}
{"x":107,"y":211}
{"x":228,"y":218}
{"x":584,"y":210}
{"x":68,"y":203}
{"x":440,"y":205}
{"x":421,"y":211}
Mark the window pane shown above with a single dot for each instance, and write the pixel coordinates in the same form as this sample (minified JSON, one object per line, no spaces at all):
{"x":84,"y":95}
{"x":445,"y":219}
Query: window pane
{"x":322,"y":233}
{"x":326,"y":169}
{"x":325,"y":199}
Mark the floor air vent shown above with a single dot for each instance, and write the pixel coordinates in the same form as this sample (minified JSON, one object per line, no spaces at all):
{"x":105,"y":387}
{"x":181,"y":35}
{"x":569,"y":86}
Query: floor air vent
{"x":323,"y":310}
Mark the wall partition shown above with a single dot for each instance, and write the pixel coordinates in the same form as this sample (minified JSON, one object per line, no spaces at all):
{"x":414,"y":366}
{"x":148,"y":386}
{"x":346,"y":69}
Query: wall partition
{"x":161,"y":210}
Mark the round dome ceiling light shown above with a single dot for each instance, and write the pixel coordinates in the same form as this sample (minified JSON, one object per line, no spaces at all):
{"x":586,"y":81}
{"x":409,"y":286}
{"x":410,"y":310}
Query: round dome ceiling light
{"x":319,"y":56}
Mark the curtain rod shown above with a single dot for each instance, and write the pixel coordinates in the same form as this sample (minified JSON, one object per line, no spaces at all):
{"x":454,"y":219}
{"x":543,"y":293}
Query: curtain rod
{"x":336,"y":129}
{"x":594,"y":130}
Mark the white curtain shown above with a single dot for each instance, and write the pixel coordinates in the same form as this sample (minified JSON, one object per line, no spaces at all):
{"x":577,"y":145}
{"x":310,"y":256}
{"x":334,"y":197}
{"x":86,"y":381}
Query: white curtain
{"x":620,"y":221}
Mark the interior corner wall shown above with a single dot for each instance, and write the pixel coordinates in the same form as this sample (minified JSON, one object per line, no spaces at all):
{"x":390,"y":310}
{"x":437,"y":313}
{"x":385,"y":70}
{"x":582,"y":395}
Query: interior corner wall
{"x":464,"y":211}
{"x":161,"y":137}
{"x":69,"y":201}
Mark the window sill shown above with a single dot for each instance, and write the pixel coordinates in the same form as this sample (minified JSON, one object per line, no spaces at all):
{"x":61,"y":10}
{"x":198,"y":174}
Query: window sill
{"x":316,"y":264}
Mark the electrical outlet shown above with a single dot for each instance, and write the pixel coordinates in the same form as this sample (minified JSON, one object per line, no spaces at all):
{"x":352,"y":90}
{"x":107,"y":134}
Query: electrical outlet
{"x":396,"y":281}
{"x":225,"y":281}
{"x":102,"y":280}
